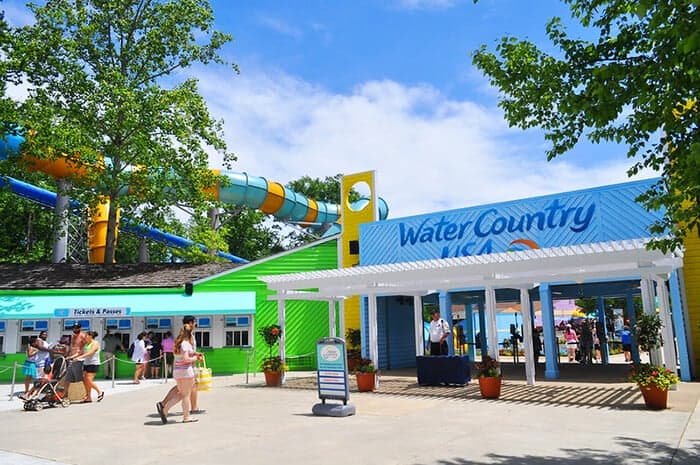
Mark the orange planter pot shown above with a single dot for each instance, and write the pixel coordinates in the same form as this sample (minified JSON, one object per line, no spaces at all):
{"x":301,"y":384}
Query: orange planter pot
{"x":273,"y":378}
{"x":490,"y":387}
{"x":654,"y":398}
{"x":365,"y":381}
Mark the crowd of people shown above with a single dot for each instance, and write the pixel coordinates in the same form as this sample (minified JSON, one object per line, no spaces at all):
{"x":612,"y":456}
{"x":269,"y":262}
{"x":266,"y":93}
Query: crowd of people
{"x":82,"y":353}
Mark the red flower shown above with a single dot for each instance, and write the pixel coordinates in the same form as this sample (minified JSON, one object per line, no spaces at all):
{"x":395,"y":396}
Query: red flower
{"x":275,"y":331}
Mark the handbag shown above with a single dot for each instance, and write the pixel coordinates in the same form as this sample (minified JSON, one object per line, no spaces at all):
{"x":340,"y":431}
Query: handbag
{"x":203,"y":376}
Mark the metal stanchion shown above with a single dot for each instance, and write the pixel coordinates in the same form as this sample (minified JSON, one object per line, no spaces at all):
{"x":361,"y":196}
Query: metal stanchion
{"x":113,"y":368}
{"x":14,"y":378}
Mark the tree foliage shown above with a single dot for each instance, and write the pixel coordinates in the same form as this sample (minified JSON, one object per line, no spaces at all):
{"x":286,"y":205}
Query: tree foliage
{"x":636,"y":84}
{"x":103,"y":92}
{"x":322,"y":190}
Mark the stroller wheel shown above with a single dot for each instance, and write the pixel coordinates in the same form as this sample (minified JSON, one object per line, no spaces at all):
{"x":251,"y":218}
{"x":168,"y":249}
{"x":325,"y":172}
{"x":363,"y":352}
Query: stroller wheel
{"x":65,"y":402}
{"x":27,"y":406}
{"x":38,"y":406}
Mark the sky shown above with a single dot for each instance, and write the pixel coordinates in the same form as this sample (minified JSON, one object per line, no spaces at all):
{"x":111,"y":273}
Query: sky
{"x":344,"y":86}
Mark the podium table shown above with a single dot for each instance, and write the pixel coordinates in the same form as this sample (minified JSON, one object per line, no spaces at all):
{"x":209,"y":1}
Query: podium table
{"x":443,"y":369}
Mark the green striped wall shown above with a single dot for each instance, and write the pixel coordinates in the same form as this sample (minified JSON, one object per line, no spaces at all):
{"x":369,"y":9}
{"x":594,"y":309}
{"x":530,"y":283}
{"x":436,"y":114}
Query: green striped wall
{"x":306,"y":321}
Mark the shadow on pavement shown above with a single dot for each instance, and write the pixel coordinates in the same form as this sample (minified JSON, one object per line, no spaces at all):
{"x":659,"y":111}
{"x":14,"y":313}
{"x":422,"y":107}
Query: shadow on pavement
{"x":635,"y":451}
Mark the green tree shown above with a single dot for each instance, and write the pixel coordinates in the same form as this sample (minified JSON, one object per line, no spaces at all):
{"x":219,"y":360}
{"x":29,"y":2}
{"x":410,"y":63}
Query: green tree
{"x":103,"y":92}
{"x":322,"y":190}
{"x":250,"y":234}
{"x":636,"y":84}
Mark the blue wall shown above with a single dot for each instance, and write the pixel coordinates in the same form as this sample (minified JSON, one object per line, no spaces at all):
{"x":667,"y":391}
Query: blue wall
{"x":591,"y":215}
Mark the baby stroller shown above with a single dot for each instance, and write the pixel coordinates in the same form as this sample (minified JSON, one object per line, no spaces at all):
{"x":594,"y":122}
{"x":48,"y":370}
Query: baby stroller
{"x":49,"y":392}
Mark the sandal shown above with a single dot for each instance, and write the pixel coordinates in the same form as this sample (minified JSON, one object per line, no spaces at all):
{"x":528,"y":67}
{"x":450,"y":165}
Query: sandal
{"x":86,"y":400}
{"x":163,"y":417}
{"x":101,"y":396}
{"x":190,"y":420}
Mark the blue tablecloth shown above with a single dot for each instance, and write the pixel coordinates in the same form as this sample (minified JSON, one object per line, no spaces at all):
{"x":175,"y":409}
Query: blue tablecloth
{"x":443,"y":369}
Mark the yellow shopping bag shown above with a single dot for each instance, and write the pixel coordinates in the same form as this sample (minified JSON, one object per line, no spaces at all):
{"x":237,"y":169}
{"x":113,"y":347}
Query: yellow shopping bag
{"x":203,"y":376}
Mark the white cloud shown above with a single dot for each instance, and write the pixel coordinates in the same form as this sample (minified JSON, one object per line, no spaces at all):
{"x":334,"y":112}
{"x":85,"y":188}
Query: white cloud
{"x":280,"y":26}
{"x":425,"y":4}
{"x":429,"y":152}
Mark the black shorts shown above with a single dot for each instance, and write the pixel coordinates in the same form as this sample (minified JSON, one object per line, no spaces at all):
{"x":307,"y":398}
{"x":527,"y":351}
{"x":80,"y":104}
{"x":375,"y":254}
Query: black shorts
{"x":154,"y":363}
{"x":91,"y":368}
{"x":75,"y":371}
{"x":627,"y":347}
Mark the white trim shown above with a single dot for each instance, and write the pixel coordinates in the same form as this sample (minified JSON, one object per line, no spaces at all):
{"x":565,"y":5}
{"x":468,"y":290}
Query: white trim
{"x":507,"y":269}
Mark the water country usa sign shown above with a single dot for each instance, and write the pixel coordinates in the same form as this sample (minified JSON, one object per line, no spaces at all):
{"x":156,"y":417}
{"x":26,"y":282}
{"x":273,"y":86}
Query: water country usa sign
{"x":543,"y":222}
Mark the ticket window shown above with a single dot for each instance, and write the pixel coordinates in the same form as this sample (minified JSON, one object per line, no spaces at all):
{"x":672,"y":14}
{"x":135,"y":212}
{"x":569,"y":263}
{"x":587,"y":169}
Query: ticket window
{"x":67,"y":332}
{"x":237,"y":331}
{"x":29,"y":328}
{"x":202,"y":334}
{"x":120,"y":327}
{"x":159,"y":326}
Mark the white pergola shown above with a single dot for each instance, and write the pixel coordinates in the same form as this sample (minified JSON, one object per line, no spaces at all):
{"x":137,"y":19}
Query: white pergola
{"x":517,"y":270}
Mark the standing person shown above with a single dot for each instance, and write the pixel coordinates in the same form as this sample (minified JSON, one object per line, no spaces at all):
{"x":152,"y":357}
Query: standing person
{"x":536,"y":345}
{"x":439,"y":331}
{"x":571,"y":342}
{"x":29,"y":369}
{"x":626,"y":339}
{"x":586,"y":343}
{"x":155,"y":361}
{"x":111,"y":343}
{"x":596,"y":344}
{"x":167,"y":346}
{"x":138,"y":357}
{"x":77,"y":342}
{"x":183,"y":371}
{"x":45,"y":350}
{"x":147,"y":355}
{"x":91,"y":363}
{"x":173,"y":396}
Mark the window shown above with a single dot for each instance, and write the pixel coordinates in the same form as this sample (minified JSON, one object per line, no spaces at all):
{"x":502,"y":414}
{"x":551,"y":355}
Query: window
{"x":30,"y":328}
{"x":159,"y":323}
{"x":118,"y":324}
{"x":202,"y":334}
{"x":237,"y":331}
{"x":69,"y":323}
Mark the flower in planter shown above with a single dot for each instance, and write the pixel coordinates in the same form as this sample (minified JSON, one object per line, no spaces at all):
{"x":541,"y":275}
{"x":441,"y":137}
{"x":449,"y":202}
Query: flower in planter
{"x":365,"y":365}
{"x":488,"y":367}
{"x":646,"y":374}
{"x":273,"y":363}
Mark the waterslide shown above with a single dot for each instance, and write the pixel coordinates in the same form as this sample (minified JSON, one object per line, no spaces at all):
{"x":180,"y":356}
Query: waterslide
{"x":241,"y":189}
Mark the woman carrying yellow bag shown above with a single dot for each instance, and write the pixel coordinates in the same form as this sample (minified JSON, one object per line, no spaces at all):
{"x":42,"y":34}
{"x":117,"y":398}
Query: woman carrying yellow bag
{"x":203,"y":375}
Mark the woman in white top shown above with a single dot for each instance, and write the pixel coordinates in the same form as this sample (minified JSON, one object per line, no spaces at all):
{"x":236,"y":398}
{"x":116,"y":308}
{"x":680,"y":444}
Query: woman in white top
{"x":139,"y":357}
{"x":91,"y":363}
{"x":183,"y":369}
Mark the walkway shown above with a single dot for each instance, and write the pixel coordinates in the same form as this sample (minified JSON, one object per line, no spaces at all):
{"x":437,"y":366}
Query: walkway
{"x":402,"y":424}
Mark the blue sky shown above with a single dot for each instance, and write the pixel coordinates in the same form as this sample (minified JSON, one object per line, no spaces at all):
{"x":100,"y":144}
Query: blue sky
{"x":341,"y":86}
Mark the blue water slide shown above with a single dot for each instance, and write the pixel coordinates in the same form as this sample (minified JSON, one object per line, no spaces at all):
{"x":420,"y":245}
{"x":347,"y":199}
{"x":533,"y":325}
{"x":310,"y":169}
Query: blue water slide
{"x":48,"y":199}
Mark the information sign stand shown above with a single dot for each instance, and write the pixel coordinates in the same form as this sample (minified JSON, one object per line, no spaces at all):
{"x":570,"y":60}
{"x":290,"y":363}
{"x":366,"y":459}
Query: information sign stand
{"x":332,"y":377}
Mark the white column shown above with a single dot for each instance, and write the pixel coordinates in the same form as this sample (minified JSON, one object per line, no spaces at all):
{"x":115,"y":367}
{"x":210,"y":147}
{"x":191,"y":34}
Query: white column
{"x":527,"y":336}
{"x":341,"y":317}
{"x":331,"y":318}
{"x":281,"y":317}
{"x":418,"y":323}
{"x":491,"y":332}
{"x":372,"y":325}
{"x":669,"y":347}
{"x":649,"y":306}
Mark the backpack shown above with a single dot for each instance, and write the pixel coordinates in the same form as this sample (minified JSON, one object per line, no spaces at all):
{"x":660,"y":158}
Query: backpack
{"x":130,"y":350}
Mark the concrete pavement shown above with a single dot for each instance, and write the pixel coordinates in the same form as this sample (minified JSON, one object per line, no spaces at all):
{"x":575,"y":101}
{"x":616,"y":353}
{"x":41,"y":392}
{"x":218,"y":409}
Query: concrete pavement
{"x":551,"y":423}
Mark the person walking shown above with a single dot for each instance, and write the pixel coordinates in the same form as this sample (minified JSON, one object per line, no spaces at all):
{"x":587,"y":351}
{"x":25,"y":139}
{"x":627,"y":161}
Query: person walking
{"x":571,"y":342}
{"x":439,"y":331}
{"x":174,"y":396}
{"x":91,"y":363}
{"x":183,"y":371}
{"x":626,"y":340}
{"x":29,"y":368}
{"x":139,"y":357}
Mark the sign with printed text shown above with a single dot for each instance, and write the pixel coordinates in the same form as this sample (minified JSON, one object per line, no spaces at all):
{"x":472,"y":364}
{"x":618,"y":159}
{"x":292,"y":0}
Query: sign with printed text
{"x":332,"y":369}
{"x":90,"y":312}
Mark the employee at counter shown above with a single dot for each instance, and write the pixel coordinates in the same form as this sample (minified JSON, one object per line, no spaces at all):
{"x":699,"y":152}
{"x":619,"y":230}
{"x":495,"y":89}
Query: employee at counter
{"x":439,"y":332}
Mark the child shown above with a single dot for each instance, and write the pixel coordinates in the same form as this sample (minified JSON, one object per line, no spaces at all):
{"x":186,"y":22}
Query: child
{"x":39,"y":383}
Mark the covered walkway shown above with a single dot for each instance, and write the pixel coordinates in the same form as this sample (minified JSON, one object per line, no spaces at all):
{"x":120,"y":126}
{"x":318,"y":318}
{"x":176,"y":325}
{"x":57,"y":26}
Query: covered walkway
{"x":523,"y":271}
